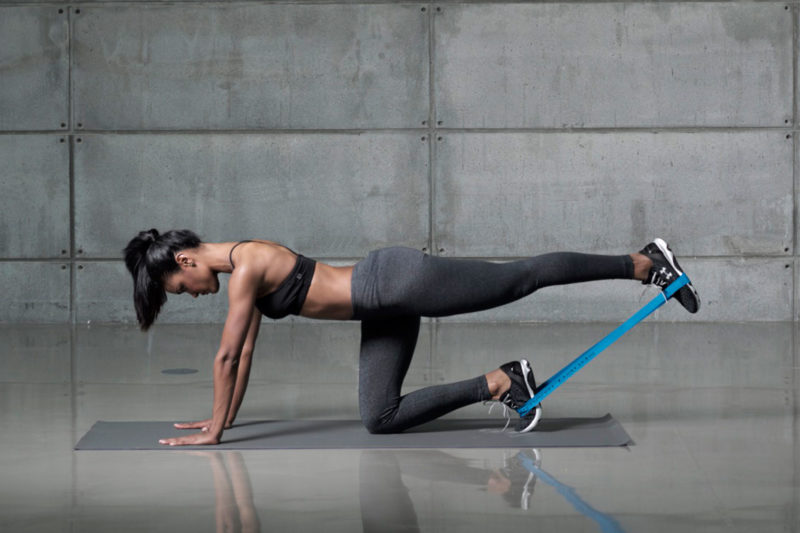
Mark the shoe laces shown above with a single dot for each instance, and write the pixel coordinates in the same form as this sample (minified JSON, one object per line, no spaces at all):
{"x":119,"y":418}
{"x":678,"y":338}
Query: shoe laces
{"x":505,"y":412}
{"x":648,"y":289}
{"x":653,"y":289}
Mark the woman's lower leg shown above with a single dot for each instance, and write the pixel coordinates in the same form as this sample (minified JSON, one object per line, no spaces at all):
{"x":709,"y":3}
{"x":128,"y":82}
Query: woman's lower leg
{"x":497,"y":382}
{"x":641,"y":266}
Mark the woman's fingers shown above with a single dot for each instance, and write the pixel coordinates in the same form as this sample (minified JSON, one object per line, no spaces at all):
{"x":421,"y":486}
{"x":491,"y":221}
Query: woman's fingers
{"x":202,"y":425}
{"x":190,"y":440}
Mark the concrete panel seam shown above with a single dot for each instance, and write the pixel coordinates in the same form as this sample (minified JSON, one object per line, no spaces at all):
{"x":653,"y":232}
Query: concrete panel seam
{"x":354,"y":132}
{"x":70,"y":110}
{"x":420,"y":130}
{"x":794,"y":154}
{"x":72,"y":280}
{"x":57,"y":260}
{"x":245,"y":3}
{"x":654,"y":130}
{"x":431,"y":127}
{"x":445,"y":3}
{"x":68,"y":125}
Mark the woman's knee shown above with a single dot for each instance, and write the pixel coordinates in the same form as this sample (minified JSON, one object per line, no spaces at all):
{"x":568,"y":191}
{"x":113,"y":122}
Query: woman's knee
{"x":379,"y":422}
{"x":376,"y":427}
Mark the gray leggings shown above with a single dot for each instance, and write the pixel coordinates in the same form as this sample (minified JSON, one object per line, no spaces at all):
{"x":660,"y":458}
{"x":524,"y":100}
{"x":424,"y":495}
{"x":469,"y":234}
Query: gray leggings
{"x":393,"y":287}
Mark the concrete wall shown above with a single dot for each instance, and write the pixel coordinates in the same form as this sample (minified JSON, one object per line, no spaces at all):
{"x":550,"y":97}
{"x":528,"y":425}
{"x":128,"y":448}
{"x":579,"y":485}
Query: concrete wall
{"x":492,"y":130}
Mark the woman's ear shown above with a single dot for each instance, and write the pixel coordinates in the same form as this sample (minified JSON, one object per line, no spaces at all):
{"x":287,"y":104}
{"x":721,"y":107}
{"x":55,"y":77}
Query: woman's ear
{"x":183,"y":260}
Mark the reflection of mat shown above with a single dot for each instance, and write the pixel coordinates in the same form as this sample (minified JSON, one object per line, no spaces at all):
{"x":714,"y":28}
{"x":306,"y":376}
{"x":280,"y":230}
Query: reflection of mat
{"x":330,"y":434}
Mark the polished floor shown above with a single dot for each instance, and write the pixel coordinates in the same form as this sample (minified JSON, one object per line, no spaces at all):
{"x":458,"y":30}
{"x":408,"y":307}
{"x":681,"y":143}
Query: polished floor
{"x":712,"y":408}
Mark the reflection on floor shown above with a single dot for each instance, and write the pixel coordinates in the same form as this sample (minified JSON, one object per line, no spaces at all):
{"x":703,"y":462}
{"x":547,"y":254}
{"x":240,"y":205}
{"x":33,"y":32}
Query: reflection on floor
{"x":712,"y":408}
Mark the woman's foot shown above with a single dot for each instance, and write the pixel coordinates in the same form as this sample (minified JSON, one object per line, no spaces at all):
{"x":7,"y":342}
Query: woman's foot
{"x":513,"y":385}
{"x":522,"y":384}
{"x":664,"y":270}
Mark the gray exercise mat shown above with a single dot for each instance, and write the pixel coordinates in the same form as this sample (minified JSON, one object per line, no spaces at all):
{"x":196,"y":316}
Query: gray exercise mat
{"x":334,"y":434}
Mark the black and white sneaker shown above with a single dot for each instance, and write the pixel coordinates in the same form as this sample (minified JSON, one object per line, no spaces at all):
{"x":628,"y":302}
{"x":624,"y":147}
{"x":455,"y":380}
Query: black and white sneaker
{"x":520,"y":471}
{"x":523,"y":387}
{"x":665,"y":270}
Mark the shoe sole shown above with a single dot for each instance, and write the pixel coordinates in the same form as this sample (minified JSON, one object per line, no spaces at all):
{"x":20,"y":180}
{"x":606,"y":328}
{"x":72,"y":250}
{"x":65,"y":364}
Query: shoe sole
{"x":535,"y":420}
{"x":687,"y":295}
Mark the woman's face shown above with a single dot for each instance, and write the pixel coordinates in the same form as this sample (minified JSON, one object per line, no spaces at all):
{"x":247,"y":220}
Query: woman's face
{"x":193,"y":278}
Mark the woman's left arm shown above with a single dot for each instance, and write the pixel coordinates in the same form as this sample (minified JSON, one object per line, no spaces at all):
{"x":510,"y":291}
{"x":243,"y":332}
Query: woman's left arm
{"x":245,"y":360}
{"x":242,"y":288}
{"x":242,"y":378}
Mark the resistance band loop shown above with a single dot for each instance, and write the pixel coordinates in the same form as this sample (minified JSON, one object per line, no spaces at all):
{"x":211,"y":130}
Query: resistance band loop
{"x":568,"y":371}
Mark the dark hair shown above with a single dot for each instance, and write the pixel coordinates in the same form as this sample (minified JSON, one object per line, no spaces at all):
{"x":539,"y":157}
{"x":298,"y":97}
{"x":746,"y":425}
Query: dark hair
{"x":149,"y":257}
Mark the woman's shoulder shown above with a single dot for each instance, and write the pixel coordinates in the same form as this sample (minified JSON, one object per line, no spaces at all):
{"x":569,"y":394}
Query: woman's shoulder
{"x":265,"y":246}
{"x":260,"y":253}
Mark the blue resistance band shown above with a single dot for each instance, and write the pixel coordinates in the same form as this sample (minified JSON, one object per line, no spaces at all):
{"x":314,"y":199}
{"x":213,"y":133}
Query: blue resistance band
{"x":607,"y":523}
{"x":568,"y":371}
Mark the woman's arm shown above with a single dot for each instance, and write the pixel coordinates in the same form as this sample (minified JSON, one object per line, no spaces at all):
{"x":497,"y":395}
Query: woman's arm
{"x":242,"y":377}
{"x":242,"y":288}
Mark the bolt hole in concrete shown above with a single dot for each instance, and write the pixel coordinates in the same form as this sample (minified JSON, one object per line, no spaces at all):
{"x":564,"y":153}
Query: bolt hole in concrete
{"x":179,"y":371}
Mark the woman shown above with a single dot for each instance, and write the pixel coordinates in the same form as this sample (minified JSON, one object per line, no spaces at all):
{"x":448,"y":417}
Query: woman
{"x":388,"y":292}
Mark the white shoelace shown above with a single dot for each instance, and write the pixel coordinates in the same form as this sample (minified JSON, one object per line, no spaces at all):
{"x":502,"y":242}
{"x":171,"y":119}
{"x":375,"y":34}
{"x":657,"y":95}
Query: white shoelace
{"x":505,"y":412}
{"x":653,"y":289}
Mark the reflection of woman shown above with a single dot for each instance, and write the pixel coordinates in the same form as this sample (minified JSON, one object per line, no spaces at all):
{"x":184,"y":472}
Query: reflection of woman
{"x":386,"y":504}
{"x":234,"y":507}
{"x":388,"y":292}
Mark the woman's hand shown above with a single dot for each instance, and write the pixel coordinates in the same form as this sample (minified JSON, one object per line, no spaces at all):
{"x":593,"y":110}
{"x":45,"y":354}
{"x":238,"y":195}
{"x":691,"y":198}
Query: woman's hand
{"x":203,"y":425}
{"x":191,"y":440}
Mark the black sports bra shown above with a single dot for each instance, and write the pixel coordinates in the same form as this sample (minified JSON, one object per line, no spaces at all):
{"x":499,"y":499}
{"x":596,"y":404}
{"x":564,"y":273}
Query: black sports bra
{"x":289,"y":297}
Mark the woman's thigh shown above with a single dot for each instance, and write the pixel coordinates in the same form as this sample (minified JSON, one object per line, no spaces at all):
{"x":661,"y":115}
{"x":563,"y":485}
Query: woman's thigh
{"x":408,"y":282}
{"x":387,"y":347}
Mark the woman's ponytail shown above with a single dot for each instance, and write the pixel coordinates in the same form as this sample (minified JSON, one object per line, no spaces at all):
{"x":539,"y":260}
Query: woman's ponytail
{"x":149,"y":257}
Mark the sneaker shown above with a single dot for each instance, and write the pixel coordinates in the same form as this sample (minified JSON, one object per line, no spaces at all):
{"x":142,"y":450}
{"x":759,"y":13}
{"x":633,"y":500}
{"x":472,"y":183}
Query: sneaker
{"x":523,"y":387}
{"x":521,"y":471}
{"x":665,"y":270}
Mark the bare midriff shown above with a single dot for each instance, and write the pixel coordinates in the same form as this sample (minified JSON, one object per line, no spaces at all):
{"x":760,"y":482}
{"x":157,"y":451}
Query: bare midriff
{"x":329,"y":296}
